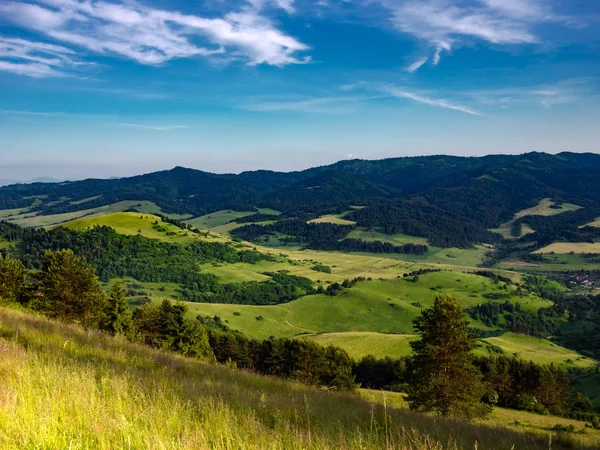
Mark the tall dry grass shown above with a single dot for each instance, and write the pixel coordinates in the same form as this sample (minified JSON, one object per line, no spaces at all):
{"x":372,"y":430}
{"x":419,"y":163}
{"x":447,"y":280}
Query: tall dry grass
{"x":63,"y":388}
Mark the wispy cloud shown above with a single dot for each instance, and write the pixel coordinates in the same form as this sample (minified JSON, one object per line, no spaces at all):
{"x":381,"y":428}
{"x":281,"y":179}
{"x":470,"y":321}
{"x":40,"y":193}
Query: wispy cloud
{"x":286,"y":5}
{"x":417,"y":65}
{"x":307,"y":105}
{"x":34,"y":59}
{"x":154,"y":36}
{"x":152,"y":127}
{"x":440,"y":103}
{"x":563,"y":92}
{"x":444,"y":23}
{"x":386,"y":90}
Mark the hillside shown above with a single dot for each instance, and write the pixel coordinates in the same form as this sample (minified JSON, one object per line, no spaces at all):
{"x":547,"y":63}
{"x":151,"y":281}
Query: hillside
{"x":128,"y":396}
{"x":481,"y":211}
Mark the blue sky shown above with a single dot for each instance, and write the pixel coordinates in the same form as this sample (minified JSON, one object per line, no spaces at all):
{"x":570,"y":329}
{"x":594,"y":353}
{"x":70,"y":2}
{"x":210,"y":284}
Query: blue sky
{"x":113,"y":88}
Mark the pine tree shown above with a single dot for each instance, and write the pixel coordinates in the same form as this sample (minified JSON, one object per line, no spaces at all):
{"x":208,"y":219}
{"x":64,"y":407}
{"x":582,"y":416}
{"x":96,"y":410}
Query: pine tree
{"x":117,"y":318}
{"x":12,"y":279}
{"x":66,"y":288}
{"x":445,"y":380}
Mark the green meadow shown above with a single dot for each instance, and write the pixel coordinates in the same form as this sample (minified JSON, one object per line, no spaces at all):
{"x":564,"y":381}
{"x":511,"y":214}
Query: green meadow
{"x":144,"y":224}
{"x":539,"y":350}
{"x":25,"y":218}
{"x":217,"y":218}
{"x":375,"y":317}
{"x":552,"y":262}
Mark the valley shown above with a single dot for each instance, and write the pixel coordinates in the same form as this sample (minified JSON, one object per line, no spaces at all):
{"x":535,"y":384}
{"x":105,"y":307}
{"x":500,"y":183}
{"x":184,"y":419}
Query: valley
{"x":350,"y":269}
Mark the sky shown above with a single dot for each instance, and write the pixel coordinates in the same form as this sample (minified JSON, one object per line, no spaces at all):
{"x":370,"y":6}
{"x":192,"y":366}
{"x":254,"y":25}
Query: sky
{"x":114,"y":88}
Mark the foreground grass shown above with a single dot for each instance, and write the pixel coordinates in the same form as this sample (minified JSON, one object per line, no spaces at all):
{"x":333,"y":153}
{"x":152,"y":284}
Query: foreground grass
{"x":61,"y":387}
{"x":515,"y":420}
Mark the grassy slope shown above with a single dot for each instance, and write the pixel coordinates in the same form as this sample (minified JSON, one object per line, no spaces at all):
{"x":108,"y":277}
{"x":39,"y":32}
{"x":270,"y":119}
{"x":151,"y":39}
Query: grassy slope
{"x":359,"y":344}
{"x":217,"y":218}
{"x":28,"y":219}
{"x":567,"y":247}
{"x":541,"y":209}
{"x":395,"y":239}
{"x":122,"y":396}
{"x":539,"y":350}
{"x":378,"y":306}
{"x":130,"y":223}
{"x":556,"y":262}
{"x":516,"y":420}
{"x":333,"y":218}
{"x":595,"y":223}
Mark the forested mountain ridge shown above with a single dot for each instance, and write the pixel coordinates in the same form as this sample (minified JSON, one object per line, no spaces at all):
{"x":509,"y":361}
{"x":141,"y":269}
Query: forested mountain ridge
{"x":476,"y":193}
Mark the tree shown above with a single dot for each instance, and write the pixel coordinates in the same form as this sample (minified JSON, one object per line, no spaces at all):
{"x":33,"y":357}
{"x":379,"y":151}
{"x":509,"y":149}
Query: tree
{"x":166,"y":327}
{"x":66,"y":288}
{"x":12,"y":279}
{"x":117,"y":317}
{"x":445,"y":380}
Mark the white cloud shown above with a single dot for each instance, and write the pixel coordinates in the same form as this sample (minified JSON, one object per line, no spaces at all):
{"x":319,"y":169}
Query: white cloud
{"x":34,"y":70}
{"x":152,"y":127}
{"x":440,"y":103}
{"x":34,"y":59}
{"x":438,"y":51}
{"x":286,"y":5}
{"x":154,"y":36}
{"x":442,"y":23}
{"x":393,"y":91}
{"x":416,"y":65}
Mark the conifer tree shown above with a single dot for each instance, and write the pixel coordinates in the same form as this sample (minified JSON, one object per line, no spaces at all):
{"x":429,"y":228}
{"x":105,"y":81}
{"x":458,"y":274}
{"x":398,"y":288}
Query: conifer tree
{"x":445,"y":380}
{"x":117,"y":318}
{"x":12,"y":279}
{"x":66,"y":288}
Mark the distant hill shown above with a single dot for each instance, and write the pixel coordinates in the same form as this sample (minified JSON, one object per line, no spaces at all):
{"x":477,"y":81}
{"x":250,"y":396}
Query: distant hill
{"x":470,"y":194}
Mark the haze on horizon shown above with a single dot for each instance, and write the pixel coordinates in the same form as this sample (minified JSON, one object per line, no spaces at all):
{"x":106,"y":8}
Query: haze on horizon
{"x":117,"y":88}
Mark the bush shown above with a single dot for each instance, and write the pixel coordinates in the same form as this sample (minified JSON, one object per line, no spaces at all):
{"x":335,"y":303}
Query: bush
{"x":321,"y":268}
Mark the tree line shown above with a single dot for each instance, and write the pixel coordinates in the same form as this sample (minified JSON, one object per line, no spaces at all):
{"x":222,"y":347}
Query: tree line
{"x":322,"y":236}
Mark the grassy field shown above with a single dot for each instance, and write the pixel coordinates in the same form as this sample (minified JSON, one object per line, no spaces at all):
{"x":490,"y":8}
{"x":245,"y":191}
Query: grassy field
{"x":217,"y":218}
{"x":131,"y":223}
{"x":528,"y":348}
{"x":595,"y":223}
{"x":395,"y":239}
{"x":124,"y":396}
{"x":379,"y":306}
{"x":541,"y":209}
{"x":568,"y":247}
{"x":8,"y":213}
{"x":333,"y":218}
{"x":551,"y":263}
{"x":359,"y":344}
{"x":540,"y":350}
{"x":33,"y":220}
